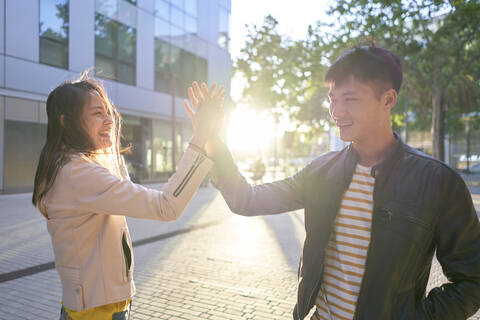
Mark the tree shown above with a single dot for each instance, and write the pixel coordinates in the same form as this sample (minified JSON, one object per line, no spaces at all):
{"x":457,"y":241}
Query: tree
{"x":283,"y":76}
{"x":438,"y":41}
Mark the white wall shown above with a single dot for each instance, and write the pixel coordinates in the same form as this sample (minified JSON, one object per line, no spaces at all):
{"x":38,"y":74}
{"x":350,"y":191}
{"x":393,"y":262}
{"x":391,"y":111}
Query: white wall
{"x":22,"y":74}
{"x":22,"y":29}
{"x":81,"y":41}
{"x":2,"y":135}
{"x":145,"y":50}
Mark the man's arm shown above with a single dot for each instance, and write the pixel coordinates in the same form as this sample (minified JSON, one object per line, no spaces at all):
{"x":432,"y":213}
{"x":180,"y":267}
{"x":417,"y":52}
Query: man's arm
{"x":245,"y":199}
{"x":457,"y":236}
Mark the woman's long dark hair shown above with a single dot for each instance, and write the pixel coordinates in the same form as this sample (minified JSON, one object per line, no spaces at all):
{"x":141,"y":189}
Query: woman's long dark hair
{"x":66,"y":134}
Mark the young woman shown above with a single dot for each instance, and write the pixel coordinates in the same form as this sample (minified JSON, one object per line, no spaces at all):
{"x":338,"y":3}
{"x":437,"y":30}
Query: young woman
{"x":83,"y":190}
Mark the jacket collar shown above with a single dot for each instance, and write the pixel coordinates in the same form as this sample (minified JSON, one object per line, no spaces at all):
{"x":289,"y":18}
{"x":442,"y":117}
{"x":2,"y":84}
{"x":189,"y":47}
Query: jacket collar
{"x":379,"y":170}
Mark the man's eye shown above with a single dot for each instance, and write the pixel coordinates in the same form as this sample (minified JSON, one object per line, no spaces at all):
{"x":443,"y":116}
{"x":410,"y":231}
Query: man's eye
{"x":350,"y":99}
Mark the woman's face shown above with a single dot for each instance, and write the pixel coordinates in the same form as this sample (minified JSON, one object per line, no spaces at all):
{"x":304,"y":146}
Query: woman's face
{"x":98,"y":121}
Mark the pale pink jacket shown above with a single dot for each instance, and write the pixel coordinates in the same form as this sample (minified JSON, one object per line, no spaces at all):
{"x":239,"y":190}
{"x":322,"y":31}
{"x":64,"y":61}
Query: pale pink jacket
{"x":86,"y":209}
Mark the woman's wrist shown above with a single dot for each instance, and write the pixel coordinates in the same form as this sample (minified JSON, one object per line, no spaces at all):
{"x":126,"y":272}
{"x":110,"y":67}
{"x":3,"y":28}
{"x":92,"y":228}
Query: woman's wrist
{"x":198,"y":140}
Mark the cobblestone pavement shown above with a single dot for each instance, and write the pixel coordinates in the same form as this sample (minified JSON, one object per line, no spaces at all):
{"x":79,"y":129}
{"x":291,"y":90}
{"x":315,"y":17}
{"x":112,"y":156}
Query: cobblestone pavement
{"x":210,"y":264}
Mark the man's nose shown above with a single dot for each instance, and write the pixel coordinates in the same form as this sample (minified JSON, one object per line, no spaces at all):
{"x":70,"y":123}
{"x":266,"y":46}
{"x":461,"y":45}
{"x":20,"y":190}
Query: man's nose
{"x":337,"y":110}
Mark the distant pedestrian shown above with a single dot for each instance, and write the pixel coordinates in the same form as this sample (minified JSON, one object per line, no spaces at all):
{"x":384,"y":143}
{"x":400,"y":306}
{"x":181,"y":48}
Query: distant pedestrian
{"x":83,"y":189}
{"x":375,"y":212}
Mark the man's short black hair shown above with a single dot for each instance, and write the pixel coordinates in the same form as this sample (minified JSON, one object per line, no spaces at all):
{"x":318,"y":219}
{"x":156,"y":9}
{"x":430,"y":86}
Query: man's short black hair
{"x":367,"y":63}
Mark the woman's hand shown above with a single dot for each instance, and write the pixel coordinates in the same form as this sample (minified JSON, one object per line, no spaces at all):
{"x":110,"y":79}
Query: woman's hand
{"x":205,"y":111}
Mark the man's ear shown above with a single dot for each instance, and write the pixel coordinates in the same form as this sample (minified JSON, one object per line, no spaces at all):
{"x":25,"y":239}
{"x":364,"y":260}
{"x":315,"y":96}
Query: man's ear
{"x":390,"y":98}
{"x":62,"y":120}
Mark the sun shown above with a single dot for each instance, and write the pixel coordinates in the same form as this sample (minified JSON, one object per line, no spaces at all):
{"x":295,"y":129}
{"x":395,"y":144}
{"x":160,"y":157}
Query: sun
{"x":250,"y":131}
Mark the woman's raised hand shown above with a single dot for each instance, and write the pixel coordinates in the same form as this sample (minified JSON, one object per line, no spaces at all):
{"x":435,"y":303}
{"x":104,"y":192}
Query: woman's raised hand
{"x":205,"y":111}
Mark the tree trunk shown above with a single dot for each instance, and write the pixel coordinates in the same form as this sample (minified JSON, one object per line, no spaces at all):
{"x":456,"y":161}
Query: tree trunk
{"x":438,"y":125}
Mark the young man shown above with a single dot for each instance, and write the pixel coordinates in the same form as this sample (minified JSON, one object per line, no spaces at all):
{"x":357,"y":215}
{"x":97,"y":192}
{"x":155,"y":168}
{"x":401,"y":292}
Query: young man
{"x":375,"y":212}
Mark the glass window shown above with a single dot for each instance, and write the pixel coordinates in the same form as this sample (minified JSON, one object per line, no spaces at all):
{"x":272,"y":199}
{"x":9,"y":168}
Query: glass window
{"x":176,"y":67}
{"x":162,"y":9}
{"x":127,"y":41}
{"x":127,"y":13}
{"x":132,"y":1}
{"x":184,"y":66}
{"x":23,"y":144}
{"x":191,"y":25}
{"x":224,"y":27}
{"x":137,"y":132}
{"x":162,"y":146}
{"x":108,"y":8}
{"x":54,"y":24}
{"x":201,"y":70}
{"x":115,"y":50}
{"x":162,"y":29}
{"x":162,"y":66}
{"x":191,"y":7}
{"x":179,"y":4}
{"x":177,"y":17}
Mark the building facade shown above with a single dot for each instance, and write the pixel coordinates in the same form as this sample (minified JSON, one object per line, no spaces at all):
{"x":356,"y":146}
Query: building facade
{"x":146,"y":52}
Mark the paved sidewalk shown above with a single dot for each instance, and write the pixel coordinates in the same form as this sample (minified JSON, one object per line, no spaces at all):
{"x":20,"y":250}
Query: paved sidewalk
{"x":210,"y":264}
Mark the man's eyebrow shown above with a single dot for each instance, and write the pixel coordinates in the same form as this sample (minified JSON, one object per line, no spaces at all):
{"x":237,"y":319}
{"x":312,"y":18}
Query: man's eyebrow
{"x":347,"y":93}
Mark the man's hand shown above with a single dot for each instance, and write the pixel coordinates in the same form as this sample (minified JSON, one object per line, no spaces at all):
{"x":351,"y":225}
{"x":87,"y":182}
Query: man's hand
{"x":205,"y":111}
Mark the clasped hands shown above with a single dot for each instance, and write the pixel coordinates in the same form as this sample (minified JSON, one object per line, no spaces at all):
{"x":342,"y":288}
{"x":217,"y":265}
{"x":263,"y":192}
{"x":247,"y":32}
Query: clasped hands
{"x":206,"y":114}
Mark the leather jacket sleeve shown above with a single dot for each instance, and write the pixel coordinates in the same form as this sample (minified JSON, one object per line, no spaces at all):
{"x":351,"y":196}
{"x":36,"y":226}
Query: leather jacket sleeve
{"x":245,"y":199}
{"x":95,"y":189}
{"x":457,"y":237}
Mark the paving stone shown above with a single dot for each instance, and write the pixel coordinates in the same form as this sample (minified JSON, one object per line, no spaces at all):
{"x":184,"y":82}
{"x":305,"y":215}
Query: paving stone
{"x":238,"y":268}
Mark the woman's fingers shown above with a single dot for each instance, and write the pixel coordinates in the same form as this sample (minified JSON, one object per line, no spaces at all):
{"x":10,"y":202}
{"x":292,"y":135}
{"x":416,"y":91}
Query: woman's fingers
{"x":204,"y":88}
{"x":198,"y":92}
{"x":192,"y":97}
{"x":212,"y":89}
{"x":189,"y":110}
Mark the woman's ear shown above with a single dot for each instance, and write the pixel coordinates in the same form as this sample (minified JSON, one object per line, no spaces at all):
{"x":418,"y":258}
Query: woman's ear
{"x":62,"y":120}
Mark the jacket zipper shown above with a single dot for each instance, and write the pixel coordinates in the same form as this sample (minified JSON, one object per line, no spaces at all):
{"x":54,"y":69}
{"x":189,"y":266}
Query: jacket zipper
{"x":390,"y":214}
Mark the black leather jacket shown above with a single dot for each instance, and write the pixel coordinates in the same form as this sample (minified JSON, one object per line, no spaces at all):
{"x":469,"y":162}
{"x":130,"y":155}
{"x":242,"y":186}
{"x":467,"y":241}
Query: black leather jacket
{"x":420,"y":205}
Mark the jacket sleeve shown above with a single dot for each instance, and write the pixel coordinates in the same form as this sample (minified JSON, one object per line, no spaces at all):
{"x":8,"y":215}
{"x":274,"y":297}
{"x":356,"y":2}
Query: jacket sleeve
{"x":245,"y":199}
{"x":97,"y":190}
{"x":457,"y":236}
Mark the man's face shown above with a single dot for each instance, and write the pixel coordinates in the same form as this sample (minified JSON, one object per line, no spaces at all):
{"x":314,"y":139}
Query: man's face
{"x":356,"y":110}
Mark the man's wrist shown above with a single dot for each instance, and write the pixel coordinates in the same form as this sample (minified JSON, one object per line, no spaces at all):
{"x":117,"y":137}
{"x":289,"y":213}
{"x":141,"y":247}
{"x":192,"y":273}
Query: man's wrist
{"x":213,"y":146}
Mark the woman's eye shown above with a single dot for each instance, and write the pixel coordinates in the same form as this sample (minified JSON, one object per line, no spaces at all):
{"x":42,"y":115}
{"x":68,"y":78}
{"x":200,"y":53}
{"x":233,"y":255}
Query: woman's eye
{"x":350,"y":99}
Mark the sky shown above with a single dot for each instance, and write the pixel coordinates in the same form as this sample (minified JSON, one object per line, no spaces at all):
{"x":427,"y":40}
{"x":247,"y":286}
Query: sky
{"x":293,"y":17}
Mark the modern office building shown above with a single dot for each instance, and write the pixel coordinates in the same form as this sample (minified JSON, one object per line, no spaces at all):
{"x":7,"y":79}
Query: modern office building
{"x":146,"y":51}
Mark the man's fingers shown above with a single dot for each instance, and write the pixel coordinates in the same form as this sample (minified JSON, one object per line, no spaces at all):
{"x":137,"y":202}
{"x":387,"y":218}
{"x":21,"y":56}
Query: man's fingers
{"x":221,"y":91}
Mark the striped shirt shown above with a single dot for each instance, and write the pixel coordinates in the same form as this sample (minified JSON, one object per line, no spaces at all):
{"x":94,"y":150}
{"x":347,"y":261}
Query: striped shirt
{"x":347,"y":250}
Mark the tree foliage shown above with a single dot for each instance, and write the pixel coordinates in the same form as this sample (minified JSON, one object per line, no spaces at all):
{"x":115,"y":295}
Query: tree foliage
{"x":439,"y":43}
{"x":437,"y":40}
{"x":282,"y":75}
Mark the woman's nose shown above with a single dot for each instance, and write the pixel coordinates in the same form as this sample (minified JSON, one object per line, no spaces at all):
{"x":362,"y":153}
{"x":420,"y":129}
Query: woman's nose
{"x":108,"y":119}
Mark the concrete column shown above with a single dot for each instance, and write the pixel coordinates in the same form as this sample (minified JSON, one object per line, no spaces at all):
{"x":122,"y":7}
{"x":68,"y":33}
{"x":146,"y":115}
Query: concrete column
{"x":2,"y":135}
{"x":81,"y":38}
{"x":22,"y":29}
{"x":145,"y":50}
